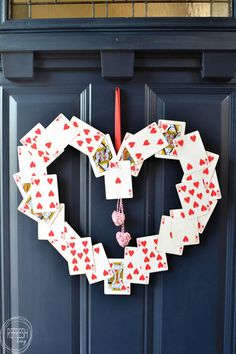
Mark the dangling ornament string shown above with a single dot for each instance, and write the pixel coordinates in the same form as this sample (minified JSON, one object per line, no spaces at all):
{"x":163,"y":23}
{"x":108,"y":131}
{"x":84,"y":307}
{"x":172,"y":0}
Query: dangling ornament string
{"x":118,"y":215}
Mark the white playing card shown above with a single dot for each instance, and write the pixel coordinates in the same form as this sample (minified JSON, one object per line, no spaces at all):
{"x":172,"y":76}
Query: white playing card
{"x":165,"y":239}
{"x":87,"y":139}
{"x":102,"y":266}
{"x":146,"y":143}
{"x":154,"y":261}
{"x":79,"y":254}
{"x":29,"y":165}
{"x":56,"y":229}
{"x":193,"y":196}
{"x":124,"y":155}
{"x":62,"y":244}
{"x":44,"y":193}
{"x":69,"y":232}
{"x":116,"y":285}
{"x":30,"y":138}
{"x":209,"y":170}
{"x":26,"y":207}
{"x":23,"y":187}
{"x":171,"y":130}
{"x":207,"y":173}
{"x":213,"y":188}
{"x":55,"y":138}
{"x":196,"y":160}
{"x":104,"y":158}
{"x":134,"y":271}
{"x":118,"y":182}
{"x":203,"y":220}
{"x":184,"y":229}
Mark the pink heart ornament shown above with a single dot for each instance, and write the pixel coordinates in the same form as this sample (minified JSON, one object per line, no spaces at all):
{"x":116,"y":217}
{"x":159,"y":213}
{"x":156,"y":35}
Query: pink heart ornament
{"x":118,"y":218}
{"x":123,"y":238}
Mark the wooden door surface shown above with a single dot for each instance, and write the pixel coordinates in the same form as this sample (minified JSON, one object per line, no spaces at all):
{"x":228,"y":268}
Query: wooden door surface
{"x":188,"y":309}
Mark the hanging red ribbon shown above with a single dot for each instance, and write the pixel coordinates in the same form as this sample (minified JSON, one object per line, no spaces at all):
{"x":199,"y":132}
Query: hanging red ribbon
{"x":118,"y":216}
{"x":117,"y":119}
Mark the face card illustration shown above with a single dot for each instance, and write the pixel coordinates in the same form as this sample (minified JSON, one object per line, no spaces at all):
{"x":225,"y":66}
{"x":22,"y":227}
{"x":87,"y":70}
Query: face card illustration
{"x":213,"y":188}
{"x":56,"y":229}
{"x":195,"y":161}
{"x":116,"y":285}
{"x":62,"y":244}
{"x":26,"y":207}
{"x":171,"y":130}
{"x":134,"y":266}
{"x":87,"y":139}
{"x":23,"y":187}
{"x":166,"y":242}
{"x":29,"y":165}
{"x":184,"y":229}
{"x":146,"y":143}
{"x":44,"y":193}
{"x":30,"y":138}
{"x":102,"y":266}
{"x":124,"y":155}
{"x":193,"y":196}
{"x":55,"y":138}
{"x":118,"y":182}
{"x":203,"y":220}
{"x":80,"y":256}
{"x":104,"y":158}
{"x":154,"y":261}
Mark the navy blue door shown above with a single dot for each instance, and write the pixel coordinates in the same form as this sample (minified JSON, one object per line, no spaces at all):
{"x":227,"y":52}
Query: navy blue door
{"x":187,"y":310}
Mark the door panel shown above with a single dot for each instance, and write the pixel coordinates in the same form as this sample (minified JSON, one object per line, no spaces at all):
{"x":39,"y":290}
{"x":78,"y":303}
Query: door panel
{"x":185,"y":310}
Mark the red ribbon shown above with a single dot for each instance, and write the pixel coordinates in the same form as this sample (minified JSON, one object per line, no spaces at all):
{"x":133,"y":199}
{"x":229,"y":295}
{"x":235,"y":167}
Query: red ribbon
{"x":117,"y":120}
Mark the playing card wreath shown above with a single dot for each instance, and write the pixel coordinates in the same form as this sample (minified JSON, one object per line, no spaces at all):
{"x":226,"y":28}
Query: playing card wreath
{"x":198,"y":192}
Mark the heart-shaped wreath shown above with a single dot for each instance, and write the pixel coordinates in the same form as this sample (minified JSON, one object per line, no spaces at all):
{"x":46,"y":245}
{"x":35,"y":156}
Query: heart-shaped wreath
{"x":198,"y":193}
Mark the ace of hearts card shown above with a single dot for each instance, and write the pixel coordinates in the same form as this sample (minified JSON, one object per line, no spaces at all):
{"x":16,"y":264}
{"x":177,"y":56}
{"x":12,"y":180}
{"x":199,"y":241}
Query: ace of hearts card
{"x":116,"y":284}
{"x":118,"y":182}
{"x":171,"y":130}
